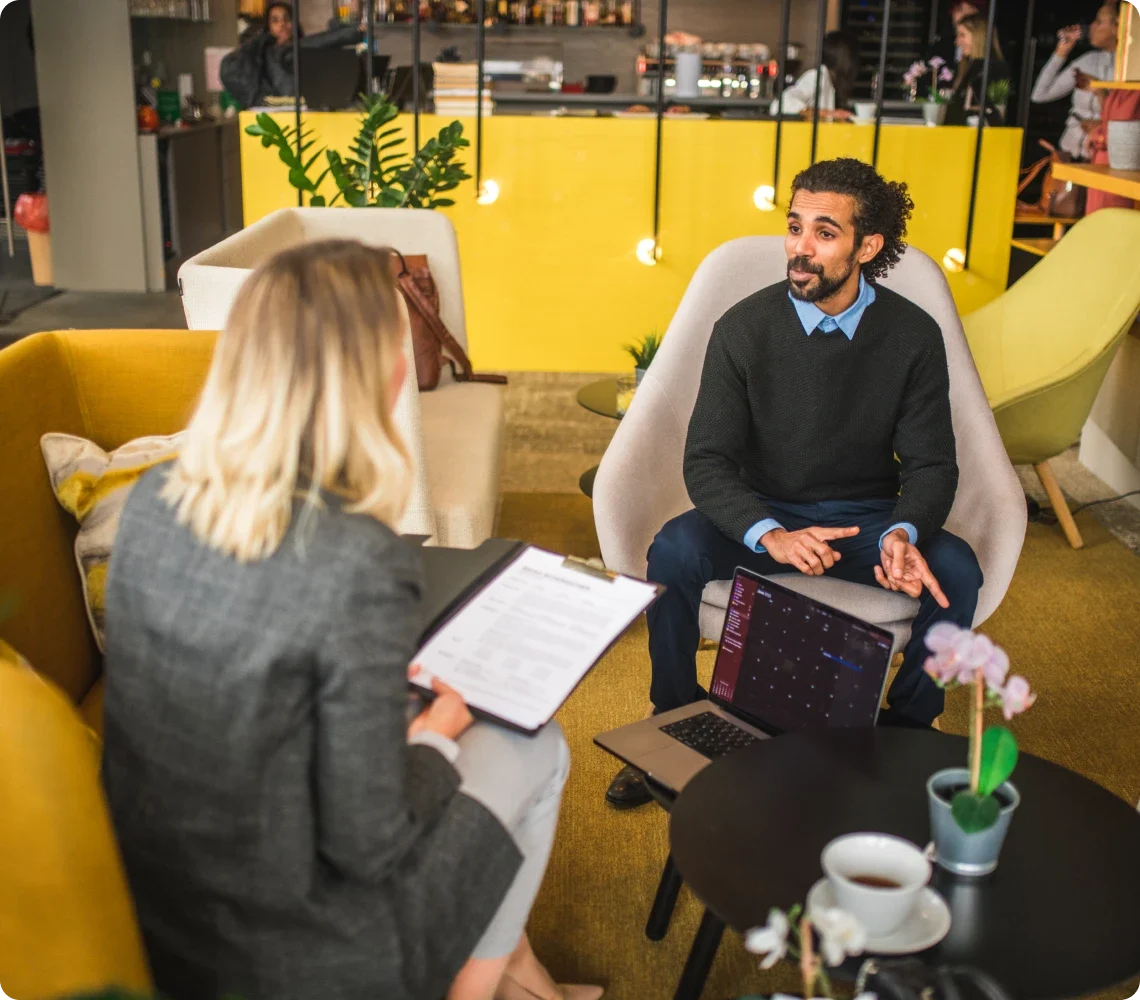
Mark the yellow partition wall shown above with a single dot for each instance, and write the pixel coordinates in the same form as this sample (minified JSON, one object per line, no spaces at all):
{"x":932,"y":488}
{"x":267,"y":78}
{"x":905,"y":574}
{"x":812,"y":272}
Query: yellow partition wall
{"x":551,"y":277}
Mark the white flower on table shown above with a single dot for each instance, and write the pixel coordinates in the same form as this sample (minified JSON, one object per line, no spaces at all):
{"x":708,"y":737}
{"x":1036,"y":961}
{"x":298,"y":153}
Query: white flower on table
{"x":840,"y":934}
{"x":770,"y":940}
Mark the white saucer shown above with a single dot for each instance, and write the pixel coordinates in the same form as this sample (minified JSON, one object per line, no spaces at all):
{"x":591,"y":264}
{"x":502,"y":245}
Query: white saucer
{"x":928,"y":925}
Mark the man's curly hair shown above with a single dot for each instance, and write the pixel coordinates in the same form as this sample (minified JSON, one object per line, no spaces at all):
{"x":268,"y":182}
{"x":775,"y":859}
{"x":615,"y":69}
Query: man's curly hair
{"x":881,"y":206}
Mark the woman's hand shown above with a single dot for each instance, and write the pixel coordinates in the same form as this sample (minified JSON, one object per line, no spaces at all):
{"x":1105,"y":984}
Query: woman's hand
{"x":1067,"y":39}
{"x":447,"y":715}
{"x":1089,"y":125}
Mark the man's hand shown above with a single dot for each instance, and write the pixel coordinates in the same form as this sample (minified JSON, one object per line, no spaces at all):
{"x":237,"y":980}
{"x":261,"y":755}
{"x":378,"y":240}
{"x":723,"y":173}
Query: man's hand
{"x":1067,"y":39}
{"x":806,"y":549}
{"x":903,"y":568}
{"x":447,"y":715}
{"x":1081,"y":80}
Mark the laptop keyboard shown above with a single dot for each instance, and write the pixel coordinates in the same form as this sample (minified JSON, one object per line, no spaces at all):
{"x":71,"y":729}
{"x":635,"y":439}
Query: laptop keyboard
{"x":709,"y":734}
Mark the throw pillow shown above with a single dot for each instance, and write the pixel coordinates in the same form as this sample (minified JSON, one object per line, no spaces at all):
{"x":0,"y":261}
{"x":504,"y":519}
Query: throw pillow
{"x":93,"y":485}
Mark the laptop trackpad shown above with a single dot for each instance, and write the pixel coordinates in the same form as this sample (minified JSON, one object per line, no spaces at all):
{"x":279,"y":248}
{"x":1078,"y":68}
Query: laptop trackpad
{"x":673,"y":765}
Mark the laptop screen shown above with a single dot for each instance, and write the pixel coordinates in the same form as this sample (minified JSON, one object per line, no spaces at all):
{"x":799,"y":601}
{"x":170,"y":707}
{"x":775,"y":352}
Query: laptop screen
{"x":788,"y":662}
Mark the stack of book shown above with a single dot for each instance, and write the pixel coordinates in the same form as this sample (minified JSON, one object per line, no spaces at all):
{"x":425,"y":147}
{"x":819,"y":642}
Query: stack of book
{"x":457,"y":90}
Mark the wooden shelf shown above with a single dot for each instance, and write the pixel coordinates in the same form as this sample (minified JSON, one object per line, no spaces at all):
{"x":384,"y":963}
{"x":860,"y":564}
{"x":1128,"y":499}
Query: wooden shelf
{"x":1114,"y":84}
{"x":1125,"y":183}
{"x":1039,"y":246}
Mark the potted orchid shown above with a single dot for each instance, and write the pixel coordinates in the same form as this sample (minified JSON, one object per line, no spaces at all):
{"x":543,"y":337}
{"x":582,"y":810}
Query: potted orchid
{"x":971,"y":808}
{"x":789,"y":935}
{"x":934,"y":109}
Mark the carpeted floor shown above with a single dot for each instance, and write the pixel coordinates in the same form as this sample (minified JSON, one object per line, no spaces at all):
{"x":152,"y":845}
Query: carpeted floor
{"x":1070,"y":623}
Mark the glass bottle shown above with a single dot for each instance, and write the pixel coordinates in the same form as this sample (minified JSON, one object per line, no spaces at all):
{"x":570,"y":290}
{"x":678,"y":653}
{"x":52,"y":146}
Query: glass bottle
{"x":549,"y":13}
{"x":537,"y":14}
{"x":571,"y":13}
{"x":503,"y":11}
{"x":591,"y":12}
{"x":625,"y":15}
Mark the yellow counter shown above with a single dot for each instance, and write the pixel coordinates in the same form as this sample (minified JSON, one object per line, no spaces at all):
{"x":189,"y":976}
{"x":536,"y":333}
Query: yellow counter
{"x":550,"y":273}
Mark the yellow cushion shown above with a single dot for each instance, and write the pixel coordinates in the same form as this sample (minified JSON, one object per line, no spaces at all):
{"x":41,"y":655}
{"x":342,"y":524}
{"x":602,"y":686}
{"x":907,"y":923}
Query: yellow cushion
{"x":92,"y":486}
{"x":67,"y":923}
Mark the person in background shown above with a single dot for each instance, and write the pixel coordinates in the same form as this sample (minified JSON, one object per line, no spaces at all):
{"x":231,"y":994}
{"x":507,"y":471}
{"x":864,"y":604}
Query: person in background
{"x":966,"y":97}
{"x":262,"y":66}
{"x":292,"y":826}
{"x":1058,"y":80}
{"x":840,"y":71}
{"x":945,"y":45}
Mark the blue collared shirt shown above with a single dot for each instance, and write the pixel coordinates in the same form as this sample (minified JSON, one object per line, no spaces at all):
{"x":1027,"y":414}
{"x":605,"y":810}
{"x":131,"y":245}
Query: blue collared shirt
{"x":813,"y":318}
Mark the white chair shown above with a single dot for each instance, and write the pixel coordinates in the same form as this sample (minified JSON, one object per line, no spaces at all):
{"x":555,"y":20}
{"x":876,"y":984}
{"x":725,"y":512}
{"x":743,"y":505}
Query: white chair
{"x":639,"y":486}
{"x":454,"y":431}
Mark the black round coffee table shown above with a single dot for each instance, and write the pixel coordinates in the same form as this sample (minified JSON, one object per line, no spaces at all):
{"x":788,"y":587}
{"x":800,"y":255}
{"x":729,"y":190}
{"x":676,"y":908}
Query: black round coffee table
{"x":1059,"y":918}
{"x":601,"y":398}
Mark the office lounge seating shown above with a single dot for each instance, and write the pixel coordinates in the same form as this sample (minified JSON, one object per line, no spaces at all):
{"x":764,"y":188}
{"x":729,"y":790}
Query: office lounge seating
{"x":639,"y":485}
{"x":460,"y":425}
{"x":1044,"y":346}
{"x":67,"y":922}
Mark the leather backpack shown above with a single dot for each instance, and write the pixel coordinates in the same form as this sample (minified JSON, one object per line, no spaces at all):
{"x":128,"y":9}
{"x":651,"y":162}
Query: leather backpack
{"x":432,"y":342}
{"x":1057,"y":197}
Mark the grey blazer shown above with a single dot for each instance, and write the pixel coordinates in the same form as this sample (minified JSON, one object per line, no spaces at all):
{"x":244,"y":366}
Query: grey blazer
{"x":280,"y":837}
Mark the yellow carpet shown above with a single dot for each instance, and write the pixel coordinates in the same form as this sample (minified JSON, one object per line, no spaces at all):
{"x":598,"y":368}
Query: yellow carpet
{"x":1070,"y":622}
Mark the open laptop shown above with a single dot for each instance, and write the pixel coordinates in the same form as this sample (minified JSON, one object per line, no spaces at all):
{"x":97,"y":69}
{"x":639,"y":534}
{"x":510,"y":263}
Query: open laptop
{"x":334,"y":79}
{"x":785,"y":663}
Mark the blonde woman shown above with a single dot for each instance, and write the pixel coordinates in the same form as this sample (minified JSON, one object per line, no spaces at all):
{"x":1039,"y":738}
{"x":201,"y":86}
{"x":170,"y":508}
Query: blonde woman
{"x":286,"y":832}
{"x":966,"y":97}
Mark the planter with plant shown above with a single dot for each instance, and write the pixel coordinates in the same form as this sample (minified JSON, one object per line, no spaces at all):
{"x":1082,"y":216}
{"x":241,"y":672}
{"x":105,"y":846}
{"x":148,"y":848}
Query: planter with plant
{"x":934,"y":108}
{"x":998,"y":93}
{"x":971,"y":808}
{"x":644,"y":353}
{"x":374,"y":173}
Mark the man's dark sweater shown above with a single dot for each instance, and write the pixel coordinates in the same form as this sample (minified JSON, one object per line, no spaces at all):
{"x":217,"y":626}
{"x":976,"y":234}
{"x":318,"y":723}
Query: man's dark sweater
{"x":797,"y":418}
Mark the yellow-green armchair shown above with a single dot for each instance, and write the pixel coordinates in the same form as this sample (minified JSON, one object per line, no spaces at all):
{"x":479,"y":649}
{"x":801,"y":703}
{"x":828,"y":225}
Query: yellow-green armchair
{"x":1043,"y":348}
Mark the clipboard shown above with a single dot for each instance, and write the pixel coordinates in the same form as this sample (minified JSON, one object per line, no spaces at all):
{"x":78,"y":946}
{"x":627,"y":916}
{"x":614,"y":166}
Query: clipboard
{"x":514,"y":643}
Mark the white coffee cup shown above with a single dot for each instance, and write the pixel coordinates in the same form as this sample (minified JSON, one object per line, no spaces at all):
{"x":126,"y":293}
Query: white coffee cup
{"x":849,"y":860}
{"x":864,"y":110}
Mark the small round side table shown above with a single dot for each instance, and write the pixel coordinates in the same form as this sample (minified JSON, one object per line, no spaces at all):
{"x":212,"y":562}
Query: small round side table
{"x":601,"y":398}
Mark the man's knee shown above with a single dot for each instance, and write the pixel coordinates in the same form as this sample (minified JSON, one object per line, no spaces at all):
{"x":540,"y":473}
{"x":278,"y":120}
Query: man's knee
{"x":552,"y":753}
{"x":954,"y":564}
{"x":677,"y":553}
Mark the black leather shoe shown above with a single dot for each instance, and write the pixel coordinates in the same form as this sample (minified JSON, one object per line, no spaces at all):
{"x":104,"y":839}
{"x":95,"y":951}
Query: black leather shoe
{"x":628,"y":790}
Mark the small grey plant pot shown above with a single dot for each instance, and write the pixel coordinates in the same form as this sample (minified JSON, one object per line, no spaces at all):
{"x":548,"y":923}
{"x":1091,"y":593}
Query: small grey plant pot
{"x":957,"y":851}
{"x":640,"y":372}
{"x":934,"y":112}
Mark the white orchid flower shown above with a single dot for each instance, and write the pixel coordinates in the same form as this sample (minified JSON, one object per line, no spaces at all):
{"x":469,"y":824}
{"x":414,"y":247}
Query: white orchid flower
{"x":771,"y":940}
{"x":840,"y":934}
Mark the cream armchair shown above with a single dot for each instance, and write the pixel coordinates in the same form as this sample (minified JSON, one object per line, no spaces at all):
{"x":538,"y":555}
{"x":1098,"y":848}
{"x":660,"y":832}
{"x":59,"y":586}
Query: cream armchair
{"x":455,"y":431}
{"x":639,"y":485}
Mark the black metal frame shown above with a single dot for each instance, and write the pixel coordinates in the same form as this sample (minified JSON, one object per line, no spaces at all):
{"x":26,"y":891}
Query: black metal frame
{"x":881,"y":81}
{"x":1028,"y":60}
{"x":297,"y":89}
{"x":370,"y":42}
{"x":782,"y":69}
{"x":480,"y":60}
{"x":416,"y":75}
{"x":821,"y":31}
{"x":982,"y":101}
{"x":662,"y":20}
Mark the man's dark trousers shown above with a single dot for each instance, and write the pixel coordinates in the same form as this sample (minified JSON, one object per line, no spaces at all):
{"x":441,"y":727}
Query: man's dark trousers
{"x":690,"y":551}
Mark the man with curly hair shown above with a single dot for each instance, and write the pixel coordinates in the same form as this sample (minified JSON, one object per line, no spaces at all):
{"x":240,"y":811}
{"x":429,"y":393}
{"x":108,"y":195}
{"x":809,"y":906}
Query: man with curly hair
{"x":820,"y":442}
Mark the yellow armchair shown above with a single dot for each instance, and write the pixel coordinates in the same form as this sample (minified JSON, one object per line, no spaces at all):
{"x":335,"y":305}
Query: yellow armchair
{"x":1044,"y":346}
{"x":67,"y":923}
{"x":109,"y":386}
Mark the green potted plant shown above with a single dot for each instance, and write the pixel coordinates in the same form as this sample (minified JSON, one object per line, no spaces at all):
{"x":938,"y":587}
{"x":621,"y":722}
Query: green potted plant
{"x":971,"y":808}
{"x":998,"y":93}
{"x":374,"y":173}
{"x":644,"y":353}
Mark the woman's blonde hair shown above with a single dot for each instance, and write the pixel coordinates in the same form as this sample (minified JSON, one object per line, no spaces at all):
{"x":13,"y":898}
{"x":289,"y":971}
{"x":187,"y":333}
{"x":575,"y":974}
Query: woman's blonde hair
{"x":298,"y":399}
{"x":975,"y":24}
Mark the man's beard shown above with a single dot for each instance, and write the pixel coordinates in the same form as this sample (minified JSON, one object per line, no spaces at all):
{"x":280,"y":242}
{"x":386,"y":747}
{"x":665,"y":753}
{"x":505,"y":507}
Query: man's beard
{"x":825,"y":287}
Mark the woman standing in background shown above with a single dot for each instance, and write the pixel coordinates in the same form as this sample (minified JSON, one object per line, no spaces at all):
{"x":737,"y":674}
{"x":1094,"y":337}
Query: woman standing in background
{"x":966,"y":97}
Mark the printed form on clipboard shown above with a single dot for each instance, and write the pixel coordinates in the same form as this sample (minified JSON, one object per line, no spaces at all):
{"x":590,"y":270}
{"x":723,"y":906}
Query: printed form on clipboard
{"x":518,"y":648}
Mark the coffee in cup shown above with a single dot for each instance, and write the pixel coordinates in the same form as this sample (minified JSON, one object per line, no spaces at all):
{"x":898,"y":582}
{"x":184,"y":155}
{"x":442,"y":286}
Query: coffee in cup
{"x":875,"y":877}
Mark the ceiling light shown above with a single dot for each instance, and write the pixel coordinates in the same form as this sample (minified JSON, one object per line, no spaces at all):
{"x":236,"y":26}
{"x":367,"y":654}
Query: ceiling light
{"x":488,"y":193}
{"x":955,"y":260}
{"x":764,"y":198}
{"x":648,"y":252}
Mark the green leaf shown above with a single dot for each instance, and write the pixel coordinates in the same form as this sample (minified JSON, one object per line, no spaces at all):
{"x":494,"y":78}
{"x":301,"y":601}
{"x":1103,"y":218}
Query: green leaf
{"x":317,"y":201}
{"x":999,"y":758}
{"x":298,"y":179}
{"x":974,"y":813}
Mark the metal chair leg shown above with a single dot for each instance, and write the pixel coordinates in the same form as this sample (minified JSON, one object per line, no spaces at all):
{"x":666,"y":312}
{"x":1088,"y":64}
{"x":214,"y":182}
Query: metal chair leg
{"x":700,"y":960}
{"x":663,"y":903}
